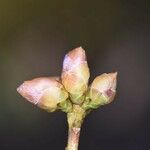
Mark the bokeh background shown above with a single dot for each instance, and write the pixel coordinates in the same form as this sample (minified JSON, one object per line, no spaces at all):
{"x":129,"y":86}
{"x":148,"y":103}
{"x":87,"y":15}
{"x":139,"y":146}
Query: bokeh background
{"x":34,"y":37}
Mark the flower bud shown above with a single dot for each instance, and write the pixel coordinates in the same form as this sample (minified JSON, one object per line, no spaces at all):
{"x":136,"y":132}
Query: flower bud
{"x":75,"y":74}
{"x":103,"y":89}
{"x":46,"y":92}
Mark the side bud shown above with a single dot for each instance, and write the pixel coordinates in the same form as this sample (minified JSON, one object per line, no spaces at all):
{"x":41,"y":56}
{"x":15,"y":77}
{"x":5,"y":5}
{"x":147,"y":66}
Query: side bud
{"x":102,"y":90}
{"x":75,"y":74}
{"x":46,"y":92}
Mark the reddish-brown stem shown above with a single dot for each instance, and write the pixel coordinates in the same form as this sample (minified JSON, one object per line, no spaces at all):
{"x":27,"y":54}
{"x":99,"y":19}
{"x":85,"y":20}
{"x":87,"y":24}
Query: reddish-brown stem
{"x":73,"y":138}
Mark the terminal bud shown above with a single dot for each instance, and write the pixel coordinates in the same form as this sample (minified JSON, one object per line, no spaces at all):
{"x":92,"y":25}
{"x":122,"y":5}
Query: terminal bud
{"x":75,"y":74}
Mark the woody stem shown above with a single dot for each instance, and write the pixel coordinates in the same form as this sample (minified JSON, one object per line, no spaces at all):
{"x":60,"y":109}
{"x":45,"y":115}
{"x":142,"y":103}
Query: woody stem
{"x":75,"y":120}
{"x":73,"y":138}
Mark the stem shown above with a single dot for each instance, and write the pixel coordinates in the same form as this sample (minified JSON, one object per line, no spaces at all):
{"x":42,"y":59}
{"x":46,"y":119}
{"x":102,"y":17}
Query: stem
{"x":73,"y":138}
{"x":75,"y":120}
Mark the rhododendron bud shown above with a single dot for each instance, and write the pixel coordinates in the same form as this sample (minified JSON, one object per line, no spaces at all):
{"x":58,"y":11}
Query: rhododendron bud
{"x":103,"y":89}
{"x":75,"y":74}
{"x":46,"y":92}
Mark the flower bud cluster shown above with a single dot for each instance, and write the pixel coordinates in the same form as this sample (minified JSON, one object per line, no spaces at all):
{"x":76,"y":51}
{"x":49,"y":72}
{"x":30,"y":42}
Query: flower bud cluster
{"x":52,"y":93}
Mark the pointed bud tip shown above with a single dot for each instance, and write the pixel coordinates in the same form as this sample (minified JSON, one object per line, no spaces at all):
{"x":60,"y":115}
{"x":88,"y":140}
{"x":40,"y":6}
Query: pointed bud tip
{"x":78,"y":52}
{"x":25,"y":91}
{"x":20,"y":88}
{"x":113,"y":75}
{"x":79,"y":49}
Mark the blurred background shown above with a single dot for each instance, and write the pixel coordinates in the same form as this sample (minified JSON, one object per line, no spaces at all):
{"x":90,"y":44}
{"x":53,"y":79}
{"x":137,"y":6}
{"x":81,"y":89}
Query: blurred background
{"x":34,"y":37}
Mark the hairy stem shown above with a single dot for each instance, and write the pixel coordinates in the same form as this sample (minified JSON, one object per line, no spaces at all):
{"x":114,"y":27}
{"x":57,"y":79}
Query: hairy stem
{"x":75,"y":120}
